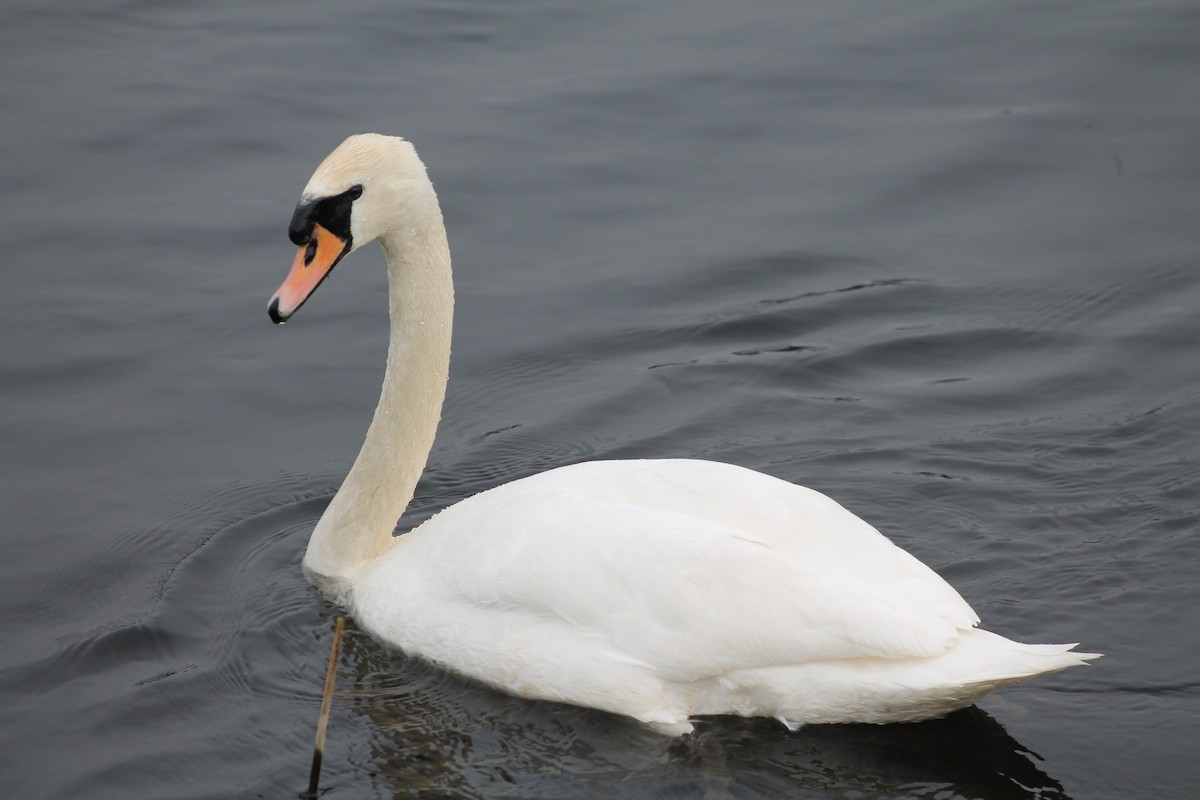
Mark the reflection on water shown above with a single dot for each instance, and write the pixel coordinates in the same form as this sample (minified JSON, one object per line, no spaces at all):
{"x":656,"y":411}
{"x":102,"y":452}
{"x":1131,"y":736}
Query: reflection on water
{"x":434,"y":735}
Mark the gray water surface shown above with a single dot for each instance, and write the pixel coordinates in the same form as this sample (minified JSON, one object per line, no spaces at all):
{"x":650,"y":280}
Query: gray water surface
{"x":938,"y":260}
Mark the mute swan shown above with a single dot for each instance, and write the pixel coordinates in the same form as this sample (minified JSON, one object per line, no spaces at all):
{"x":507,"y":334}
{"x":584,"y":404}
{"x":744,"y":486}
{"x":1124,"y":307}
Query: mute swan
{"x":657,"y":589}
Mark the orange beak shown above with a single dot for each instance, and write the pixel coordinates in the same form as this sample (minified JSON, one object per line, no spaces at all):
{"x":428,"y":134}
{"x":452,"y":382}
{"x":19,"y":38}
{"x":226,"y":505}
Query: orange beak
{"x":314,"y":260}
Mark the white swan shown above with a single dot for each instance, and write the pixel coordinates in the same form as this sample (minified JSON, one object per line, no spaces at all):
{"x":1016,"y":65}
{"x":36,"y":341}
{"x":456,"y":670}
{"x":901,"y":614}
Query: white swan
{"x":656,"y":589}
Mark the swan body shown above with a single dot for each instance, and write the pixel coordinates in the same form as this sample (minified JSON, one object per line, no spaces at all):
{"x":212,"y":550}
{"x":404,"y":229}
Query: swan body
{"x":657,"y":589}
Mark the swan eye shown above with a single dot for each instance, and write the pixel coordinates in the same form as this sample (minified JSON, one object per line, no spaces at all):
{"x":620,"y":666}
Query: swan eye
{"x":310,"y":252}
{"x":355,"y":191}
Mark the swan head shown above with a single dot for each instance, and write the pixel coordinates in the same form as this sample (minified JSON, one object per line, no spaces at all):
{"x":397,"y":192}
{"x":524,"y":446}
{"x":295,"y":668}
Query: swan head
{"x":365,"y":189}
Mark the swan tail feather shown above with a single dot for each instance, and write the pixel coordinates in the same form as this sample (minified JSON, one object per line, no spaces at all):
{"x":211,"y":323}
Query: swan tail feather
{"x":1021,"y":661}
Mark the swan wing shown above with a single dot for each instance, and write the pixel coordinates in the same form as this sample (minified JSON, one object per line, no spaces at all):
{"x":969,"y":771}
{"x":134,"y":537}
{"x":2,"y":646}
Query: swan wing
{"x":692,"y":568}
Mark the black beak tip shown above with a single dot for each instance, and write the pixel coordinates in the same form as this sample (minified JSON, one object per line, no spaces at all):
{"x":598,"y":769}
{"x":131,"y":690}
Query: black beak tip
{"x":273,"y":312}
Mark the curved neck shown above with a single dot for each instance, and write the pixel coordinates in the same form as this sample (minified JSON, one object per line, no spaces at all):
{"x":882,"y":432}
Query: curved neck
{"x":359,"y":523}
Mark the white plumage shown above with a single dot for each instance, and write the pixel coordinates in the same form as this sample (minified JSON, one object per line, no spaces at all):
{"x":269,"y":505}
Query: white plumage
{"x":658,"y":589}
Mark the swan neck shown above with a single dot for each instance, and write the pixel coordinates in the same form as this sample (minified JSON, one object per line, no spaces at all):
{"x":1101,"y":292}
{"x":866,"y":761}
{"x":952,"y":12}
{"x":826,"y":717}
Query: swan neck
{"x":360,"y":521}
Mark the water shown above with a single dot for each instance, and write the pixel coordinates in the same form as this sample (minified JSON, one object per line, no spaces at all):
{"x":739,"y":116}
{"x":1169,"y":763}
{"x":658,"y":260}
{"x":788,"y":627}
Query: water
{"x":939,"y":262}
